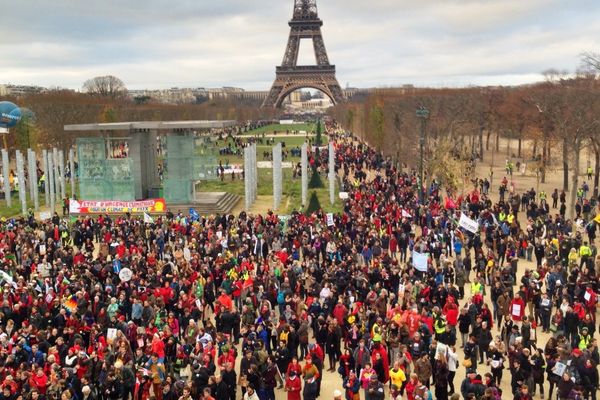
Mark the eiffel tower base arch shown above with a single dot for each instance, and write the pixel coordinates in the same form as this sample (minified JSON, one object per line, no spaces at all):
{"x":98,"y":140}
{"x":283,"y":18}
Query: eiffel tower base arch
{"x":287,"y":82}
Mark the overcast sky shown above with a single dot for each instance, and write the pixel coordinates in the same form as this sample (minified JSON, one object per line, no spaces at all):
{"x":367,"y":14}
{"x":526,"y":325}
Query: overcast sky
{"x":213,"y":43}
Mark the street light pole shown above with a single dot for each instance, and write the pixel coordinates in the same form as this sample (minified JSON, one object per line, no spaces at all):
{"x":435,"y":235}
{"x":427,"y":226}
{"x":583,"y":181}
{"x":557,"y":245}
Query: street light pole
{"x":422,"y":114}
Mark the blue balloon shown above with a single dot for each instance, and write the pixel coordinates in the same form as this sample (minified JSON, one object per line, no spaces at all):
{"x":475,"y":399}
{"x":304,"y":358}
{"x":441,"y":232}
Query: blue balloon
{"x":10,"y":114}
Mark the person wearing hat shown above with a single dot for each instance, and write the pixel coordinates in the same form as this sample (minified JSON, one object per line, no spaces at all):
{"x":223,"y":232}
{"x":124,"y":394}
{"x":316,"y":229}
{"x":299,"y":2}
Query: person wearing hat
{"x":125,"y":378}
{"x":157,"y":374}
{"x":374,"y":389}
{"x":352,"y":386}
{"x":583,"y":339}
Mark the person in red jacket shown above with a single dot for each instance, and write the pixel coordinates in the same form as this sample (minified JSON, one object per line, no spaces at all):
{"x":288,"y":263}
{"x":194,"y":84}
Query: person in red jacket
{"x":451,"y":312}
{"x":517,"y":308}
{"x":293,"y":386}
{"x":158,"y":347}
{"x":340,"y":312}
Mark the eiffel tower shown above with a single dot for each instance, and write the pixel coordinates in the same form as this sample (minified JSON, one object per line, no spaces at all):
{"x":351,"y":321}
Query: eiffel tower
{"x":290,"y":76}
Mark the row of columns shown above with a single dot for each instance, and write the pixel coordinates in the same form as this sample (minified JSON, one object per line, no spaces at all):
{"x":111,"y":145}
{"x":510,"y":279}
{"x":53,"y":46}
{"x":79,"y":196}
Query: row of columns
{"x":53,"y":169}
{"x":251,"y":174}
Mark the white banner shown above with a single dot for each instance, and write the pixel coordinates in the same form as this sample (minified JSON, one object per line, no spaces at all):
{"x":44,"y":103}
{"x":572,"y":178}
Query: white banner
{"x":330,"y":221}
{"x":420,"y":261}
{"x":468,"y":224}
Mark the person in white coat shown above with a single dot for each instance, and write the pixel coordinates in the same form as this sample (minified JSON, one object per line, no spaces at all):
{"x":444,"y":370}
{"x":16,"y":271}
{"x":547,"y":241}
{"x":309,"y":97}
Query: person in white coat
{"x":452,"y":365}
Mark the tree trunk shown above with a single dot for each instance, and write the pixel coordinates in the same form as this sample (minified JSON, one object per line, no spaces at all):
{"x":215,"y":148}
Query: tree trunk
{"x":487,"y":139}
{"x":544,"y":159}
{"x":575,"y":182}
{"x":472,"y":144}
{"x":535,"y":145}
{"x":508,"y":140}
{"x":565,"y":156}
{"x":481,"y":143}
{"x":520,"y":147}
{"x":498,"y":141}
{"x":597,"y":171}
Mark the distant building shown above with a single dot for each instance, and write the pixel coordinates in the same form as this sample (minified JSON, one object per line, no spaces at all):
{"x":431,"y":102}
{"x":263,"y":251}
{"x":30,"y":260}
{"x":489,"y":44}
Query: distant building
{"x":20,"y":90}
{"x":197,"y":95}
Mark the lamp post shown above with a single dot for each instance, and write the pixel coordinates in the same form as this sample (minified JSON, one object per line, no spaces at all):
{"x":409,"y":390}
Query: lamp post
{"x":423,"y":115}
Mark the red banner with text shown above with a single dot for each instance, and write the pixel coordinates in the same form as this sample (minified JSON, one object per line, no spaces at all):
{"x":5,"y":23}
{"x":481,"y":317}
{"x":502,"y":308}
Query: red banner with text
{"x":116,"y":207}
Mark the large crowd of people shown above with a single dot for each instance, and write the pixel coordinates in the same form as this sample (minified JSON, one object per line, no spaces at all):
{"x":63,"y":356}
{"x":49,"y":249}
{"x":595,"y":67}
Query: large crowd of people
{"x":250,"y":306}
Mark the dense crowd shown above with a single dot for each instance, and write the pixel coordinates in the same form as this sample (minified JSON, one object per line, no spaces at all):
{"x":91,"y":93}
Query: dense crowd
{"x":219,"y":307}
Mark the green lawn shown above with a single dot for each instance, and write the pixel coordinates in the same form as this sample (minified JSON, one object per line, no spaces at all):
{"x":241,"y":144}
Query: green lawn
{"x":290,"y":142}
{"x":15,"y":208}
{"x":283,"y":129}
{"x":292,"y":190}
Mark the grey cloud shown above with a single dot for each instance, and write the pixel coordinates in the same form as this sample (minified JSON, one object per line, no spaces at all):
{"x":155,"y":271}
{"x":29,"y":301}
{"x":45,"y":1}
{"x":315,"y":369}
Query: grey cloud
{"x":156,"y":43}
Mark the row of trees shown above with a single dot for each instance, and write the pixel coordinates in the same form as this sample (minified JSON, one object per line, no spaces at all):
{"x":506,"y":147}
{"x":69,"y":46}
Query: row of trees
{"x":48,"y":112}
{"x":558,"y":119}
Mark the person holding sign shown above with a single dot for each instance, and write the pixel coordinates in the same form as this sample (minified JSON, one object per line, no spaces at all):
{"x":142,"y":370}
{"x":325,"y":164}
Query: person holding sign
{"x":517,"y":308}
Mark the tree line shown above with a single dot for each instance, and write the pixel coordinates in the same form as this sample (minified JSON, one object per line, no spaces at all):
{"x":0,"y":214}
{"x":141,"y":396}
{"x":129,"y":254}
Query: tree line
{"x":107,"y":101}
{"x":559,"y":118}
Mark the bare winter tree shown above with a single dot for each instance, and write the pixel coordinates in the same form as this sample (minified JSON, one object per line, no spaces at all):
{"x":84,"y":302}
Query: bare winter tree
{"x":591,"y":60}
{"x":109,"y":86}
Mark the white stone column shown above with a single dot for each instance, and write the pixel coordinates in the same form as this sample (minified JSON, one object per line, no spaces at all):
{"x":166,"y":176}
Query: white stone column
{"x":277,"y":177}
{"x":61,"y":169}
{"x":5,"y":174}
{"x":72,"y":169}
{"x":331,"y":173}
{"x":255,"y":173}
{"x":22,"y":184}
{"x":247,"y":179}
{"x":46,"y":178}
{"x":50,"y":183}
{"x":56,"y":175}
{"x":33,"y":179}
{"x":304,"y":166}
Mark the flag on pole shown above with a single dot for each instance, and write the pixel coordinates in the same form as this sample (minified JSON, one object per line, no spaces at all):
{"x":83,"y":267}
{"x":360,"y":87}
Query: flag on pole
{"x":6,"y":278}
{"x":148,"y":219}
{"x":70,"y":304}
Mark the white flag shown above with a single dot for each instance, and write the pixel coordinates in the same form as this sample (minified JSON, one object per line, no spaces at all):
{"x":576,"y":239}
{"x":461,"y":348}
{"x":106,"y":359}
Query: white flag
{"x":148,"y":219}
